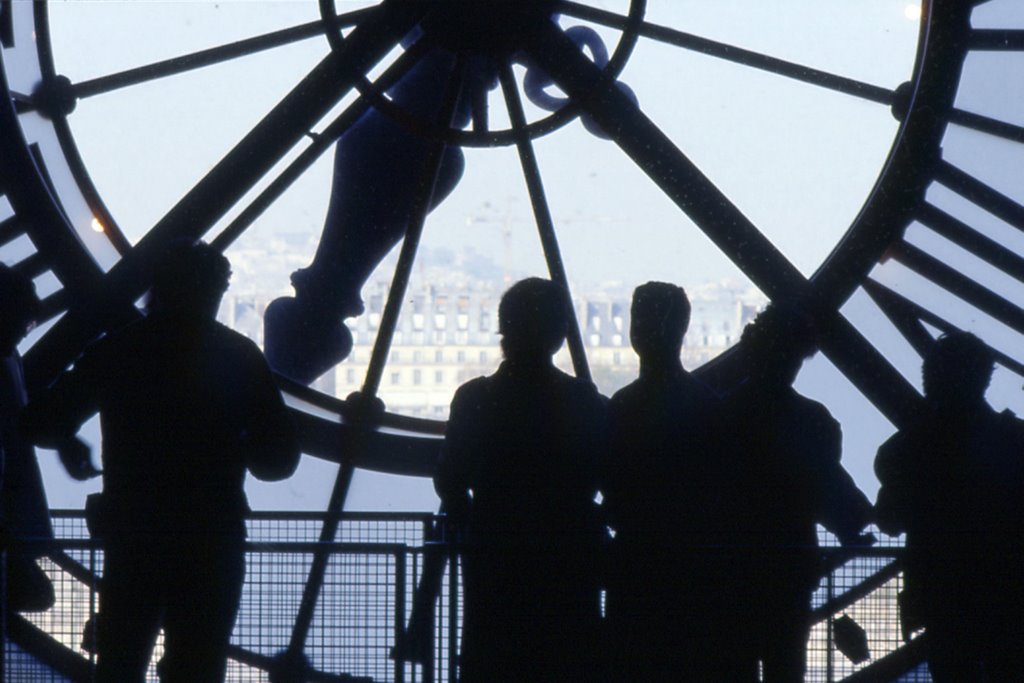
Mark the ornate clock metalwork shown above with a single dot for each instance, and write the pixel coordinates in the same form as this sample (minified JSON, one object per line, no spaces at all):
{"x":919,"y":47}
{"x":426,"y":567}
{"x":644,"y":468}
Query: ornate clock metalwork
{"x":939,"y":218}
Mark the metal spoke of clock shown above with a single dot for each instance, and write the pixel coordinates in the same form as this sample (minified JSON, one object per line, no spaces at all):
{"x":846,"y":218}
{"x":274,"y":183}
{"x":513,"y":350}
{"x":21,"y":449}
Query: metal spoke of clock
{"x":990,"y":40}
{"x":908,"y":317}
{"x":480,"y":111}
{"x":32,"y":266}
{"x":868,"y":370}
{"x":51,"y":306}
{"x":902,"y":314}
{"x":321,"y":143}
{"x":378,"y":359}
{"x":963,"y":235}
{"x":731,"y":53}
{"x":235,"y":174}
{"x":715,"y":215}
{"x":666,"y":165}
{"x":953,"y":281}
{"x":214,"y":55}
{"x":10,"y":228}
{"x":986,"y":124}
{"x":980,"y":193}
{"x":542,"y":214}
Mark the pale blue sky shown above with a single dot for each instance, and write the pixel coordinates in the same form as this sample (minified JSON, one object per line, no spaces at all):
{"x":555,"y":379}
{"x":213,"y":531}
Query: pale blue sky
{"x":798,"y":160}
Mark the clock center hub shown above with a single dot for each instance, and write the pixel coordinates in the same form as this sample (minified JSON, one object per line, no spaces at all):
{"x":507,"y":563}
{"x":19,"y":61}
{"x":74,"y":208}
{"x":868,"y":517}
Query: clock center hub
{"x":490,"y":26}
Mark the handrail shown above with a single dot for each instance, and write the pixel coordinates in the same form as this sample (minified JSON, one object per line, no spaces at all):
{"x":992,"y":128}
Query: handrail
{"x":34,"y":641}
{"x":393,"y":592}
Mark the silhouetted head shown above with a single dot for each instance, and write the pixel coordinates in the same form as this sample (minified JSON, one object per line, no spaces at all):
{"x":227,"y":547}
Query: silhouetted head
{"x":19,"y":308}
{"x":777,"y":343}
{"x":658,"y":320}
{"x":532,"y":319}
{"x":190,"y":279}
{"x":957,"y":370}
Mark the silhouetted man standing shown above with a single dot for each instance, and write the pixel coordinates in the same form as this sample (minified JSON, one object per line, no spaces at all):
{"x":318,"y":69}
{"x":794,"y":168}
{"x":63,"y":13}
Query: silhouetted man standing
{"x":186,"y":406}
{"x":954,"y":482}
{"x":662,"y":488}
{"x":519,"y":470}
{"x":787,"y":448}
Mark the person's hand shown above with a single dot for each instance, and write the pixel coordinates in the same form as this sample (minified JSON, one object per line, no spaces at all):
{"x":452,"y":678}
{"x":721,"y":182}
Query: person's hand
{"x":863,"y":539}
{"x":76,"y":458}
{"x":366,"y":409}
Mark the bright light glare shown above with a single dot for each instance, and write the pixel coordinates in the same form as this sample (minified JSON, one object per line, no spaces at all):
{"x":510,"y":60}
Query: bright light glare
{"x":912,"y":11}
{"x":97,"y":226}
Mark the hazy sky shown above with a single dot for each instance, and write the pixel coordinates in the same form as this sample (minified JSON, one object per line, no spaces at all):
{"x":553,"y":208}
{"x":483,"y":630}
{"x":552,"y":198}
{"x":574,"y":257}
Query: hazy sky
{"x":797,"y":159}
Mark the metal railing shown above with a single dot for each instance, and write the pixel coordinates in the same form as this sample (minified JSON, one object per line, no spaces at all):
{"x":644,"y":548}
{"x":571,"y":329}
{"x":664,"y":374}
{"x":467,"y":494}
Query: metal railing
{"x":376,"y":568}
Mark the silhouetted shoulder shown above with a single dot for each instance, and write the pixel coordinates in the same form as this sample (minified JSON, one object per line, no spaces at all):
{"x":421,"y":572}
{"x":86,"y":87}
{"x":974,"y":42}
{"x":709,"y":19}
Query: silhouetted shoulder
{"x":583,"y":388}
{"x":1011,"y":432}
{"x":236,"y":341}
{"x":625,"y":395}
{"x":817,"y":418}
{"x":892,"y":456}
{"x":470,"y":393}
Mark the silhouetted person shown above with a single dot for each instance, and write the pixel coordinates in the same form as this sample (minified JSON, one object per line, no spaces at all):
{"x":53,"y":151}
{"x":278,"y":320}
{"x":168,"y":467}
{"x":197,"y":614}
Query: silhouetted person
{"x":186,"y":406}
{"x":24,"y":514}
{"x":519,"y":470}
{"x":662,"y":489}
{"x":953,"y":480}
{"x":787,"y":449}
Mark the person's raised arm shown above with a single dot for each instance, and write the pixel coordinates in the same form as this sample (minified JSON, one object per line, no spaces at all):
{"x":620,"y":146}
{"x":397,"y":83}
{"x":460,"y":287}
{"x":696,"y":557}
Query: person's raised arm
{"x":453,"y":478}
{"x":52,"y":419}
{"x":844,"y":509}
{"x":268,"y":436}
{"x":891,"y":509}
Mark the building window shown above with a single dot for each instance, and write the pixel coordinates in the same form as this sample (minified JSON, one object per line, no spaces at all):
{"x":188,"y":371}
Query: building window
{"x":438,"y":377}
{"x":483,"y":357}
{"x":350,"y":376}
{"x":460,"y":357}
{"x":417,"y":377}
{"x":396,"y":378}
{"x":438,"y":356}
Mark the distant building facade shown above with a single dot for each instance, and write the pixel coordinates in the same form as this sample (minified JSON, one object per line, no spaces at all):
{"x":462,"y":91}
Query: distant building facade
{"x":448,"y":331}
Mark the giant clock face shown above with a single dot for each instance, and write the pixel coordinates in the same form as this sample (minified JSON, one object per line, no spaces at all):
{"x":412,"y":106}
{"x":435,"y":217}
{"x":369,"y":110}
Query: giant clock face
{"x":861,"y":157}
{"x":750,"y":150}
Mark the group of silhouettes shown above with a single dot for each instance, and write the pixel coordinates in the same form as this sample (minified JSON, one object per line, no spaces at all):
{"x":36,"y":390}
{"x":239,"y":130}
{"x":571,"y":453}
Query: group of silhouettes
{"x":713,"y":502}
{"x":666,"y":534}
{"x":693,"y":516}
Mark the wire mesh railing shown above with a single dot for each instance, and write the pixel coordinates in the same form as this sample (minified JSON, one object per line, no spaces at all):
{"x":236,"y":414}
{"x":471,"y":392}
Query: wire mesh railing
{"x":377,"y":565}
